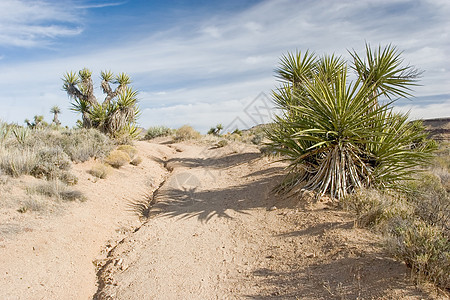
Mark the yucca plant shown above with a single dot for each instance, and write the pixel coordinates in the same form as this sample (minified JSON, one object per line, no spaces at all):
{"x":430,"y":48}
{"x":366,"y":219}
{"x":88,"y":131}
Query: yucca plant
{"x":118,"y":112}
{"x":339,"y":135}
{"x":55,"y":110}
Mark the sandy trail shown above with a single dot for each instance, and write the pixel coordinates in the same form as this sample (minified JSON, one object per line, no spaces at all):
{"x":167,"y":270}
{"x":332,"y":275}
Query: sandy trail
{"x":213,"y":235}
{"x":54,"y":258}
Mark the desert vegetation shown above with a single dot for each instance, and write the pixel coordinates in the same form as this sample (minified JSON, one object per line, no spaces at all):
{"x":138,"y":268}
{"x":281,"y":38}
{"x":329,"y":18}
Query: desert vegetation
{"x":116,"y":115}
{"x":47,"y":153}
{"x":343,"y":139}
{"x":339,"y":135}
{"x":157,"y":131}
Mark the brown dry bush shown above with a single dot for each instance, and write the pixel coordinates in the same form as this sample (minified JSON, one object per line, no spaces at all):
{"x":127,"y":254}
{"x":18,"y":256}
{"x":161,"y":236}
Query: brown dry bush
{"x":100,"y":170}
{"x":117,"y":159}
{"x":185,"y":133}
{"x":128,"y":149}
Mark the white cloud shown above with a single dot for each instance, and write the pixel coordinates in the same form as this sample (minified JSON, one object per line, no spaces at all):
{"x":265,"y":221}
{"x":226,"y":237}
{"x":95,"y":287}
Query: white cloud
{"x":32,"y":23}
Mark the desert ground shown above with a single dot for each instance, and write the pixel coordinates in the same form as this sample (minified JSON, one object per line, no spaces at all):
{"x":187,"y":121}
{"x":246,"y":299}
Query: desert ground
{"x":193,"y":221}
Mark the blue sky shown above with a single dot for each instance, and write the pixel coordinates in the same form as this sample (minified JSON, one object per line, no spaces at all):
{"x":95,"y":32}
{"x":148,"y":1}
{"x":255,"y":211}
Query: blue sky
{"x":205,"y":62}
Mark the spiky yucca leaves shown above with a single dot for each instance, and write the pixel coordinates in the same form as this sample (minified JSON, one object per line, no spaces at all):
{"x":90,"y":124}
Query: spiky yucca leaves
{"x":116,"y":115}
{"x":335,"y":134}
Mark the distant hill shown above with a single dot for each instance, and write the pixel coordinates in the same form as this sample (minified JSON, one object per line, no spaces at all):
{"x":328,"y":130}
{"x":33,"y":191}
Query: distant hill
{"x":438,"y":129}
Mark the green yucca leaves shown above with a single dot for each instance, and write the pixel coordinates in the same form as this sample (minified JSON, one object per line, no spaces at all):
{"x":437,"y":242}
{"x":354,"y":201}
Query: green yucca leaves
{"x":116,"y":114}
{"x":334,"y":133}
{"x":107,"y":75}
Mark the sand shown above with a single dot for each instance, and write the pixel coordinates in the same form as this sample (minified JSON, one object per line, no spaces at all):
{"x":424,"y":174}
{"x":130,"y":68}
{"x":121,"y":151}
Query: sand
{"x":197,"y":222}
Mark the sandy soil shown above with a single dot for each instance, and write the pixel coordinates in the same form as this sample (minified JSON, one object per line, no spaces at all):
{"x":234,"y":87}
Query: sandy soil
{"x":212,"y":230}
{"x":51,"y":256}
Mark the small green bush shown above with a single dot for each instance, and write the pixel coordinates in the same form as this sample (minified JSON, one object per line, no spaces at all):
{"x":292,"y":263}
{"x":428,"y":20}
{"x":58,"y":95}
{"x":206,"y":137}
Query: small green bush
{"x":221,"y":143}
{"x":117,"y":159}
{"x":430,"y":200}
{"x":415,"y":225}
{"x":258,"y":138}
{"x":83,"y":144}
{"x":424,"y":248}
{"x":374,"y":208}
{"x":157,"y":131}
{"x":100,"y":170}
{"x":50,"y":162}
{"x":185,"y":133}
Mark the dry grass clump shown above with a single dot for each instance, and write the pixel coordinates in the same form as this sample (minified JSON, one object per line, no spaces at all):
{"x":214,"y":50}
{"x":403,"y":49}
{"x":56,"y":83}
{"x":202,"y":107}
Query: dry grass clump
{"x":57,"y":190}
{"x":128,"y":149}
{"x":83,"y":144}
{"x":221,"y":143}
{"x":186,"y":132}
{"x":424,"y":248}
{"x":100,"y":170}
{"x":117,"y":159}
{"x":50,"y":163}
{"x":16,"y":162}
{"x":374,"y":208}
{"x":32,"y":204}
{"x":415,"y":223}
{"x":157,"y":131}
{"x":45,"y":153}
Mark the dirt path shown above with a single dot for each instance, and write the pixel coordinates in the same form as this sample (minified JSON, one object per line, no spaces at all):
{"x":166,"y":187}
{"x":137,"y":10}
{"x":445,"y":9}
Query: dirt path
{"x":215,"y":234}
{"x":53,"y":257}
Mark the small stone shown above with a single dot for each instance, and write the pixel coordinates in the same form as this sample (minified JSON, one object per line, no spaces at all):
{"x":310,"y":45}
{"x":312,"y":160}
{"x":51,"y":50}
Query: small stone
{"x":273,"y":208}
{"x":118,"y":262}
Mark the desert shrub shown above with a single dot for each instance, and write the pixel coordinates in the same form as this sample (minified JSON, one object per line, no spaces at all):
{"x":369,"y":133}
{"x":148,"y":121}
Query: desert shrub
{"x":424,"y":248}
{"x":117,"y":159}
{"x":338,"y":135}
{"x":128,"y":149}
{"x":431,"y":201}
{"x":79,"y":144}
{"x":57,"y":190}
{"x":50,"y":162}
{"x":83,"y":144}
{"x":136,"y":161}
{"x":157,"y":131}
{"x":375,"y":208}
{"x":16,"y":162}
{"x":5,"y":130}
{"x":100,"y":170}
{"x":235,"y":137}
{"x":68,"y":177}
{"x":221,"y":143}
{"x":415,"y":225}
{"x":185,"y":133}
{"x":258,"y":138}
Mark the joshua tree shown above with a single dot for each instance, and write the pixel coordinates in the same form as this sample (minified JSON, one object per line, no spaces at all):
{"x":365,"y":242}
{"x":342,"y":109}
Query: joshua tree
{"x":219,"y":127}
{"x":116,"y":115}
{"x":336,"y":134}
{"x":215,"y":130}
{"x":55,"y":110}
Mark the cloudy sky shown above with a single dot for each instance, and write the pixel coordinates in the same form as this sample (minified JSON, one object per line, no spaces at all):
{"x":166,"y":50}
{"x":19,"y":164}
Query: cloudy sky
{"x":206,"y":62}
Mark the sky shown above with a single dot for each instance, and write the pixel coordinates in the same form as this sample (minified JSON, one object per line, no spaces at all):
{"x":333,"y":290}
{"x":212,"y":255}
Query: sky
{"x":207,"y":62}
